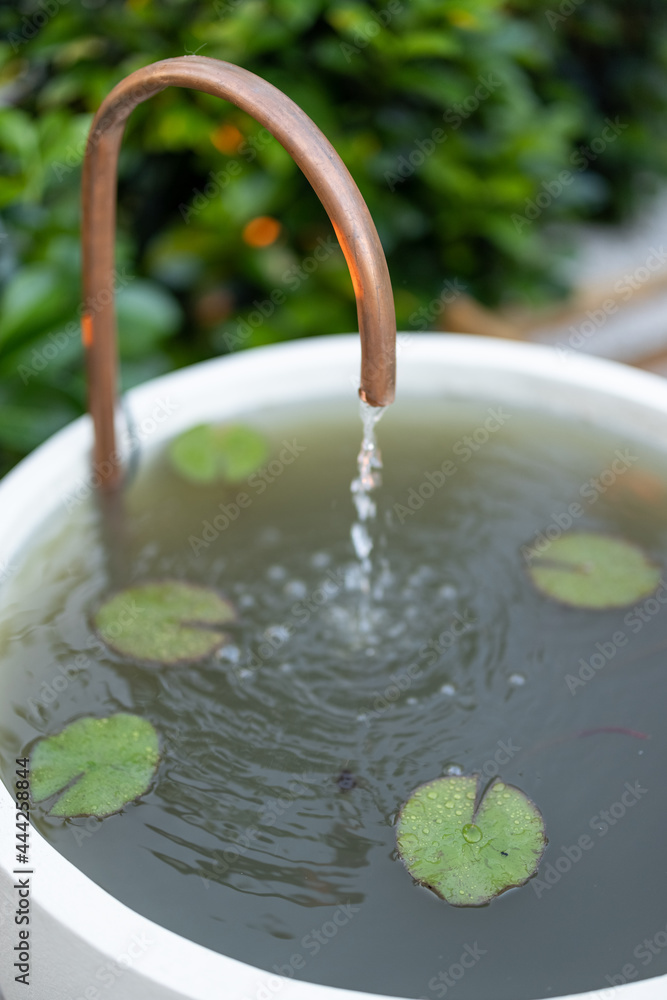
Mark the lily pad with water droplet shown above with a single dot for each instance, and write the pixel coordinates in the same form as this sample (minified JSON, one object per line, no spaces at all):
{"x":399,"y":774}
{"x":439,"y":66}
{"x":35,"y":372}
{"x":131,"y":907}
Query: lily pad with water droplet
{"x":465,"y":850}
{"x":587,"y":570}
{"x":210,"y":454}
{"x":166,"y":622}
{"x":98,"y":765}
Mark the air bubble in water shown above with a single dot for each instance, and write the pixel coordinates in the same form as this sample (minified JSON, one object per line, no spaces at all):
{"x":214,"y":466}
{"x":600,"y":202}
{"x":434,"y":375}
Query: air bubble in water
{"x":448,"y":689}
{"x":232,"y":654}
{"x":276,"y":573}
{"x":279,"y":632}
{"x":516,"y":680}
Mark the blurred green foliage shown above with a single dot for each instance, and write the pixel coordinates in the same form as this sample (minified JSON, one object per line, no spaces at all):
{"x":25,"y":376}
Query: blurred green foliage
{"x":379,"y":79}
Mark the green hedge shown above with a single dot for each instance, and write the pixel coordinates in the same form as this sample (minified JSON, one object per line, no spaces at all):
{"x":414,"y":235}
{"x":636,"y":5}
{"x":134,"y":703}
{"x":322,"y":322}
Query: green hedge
{"x":455,"y":118}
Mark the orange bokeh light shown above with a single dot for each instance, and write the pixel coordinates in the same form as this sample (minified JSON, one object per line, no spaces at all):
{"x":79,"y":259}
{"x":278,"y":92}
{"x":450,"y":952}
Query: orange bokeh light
{"x":262,"y":231}
{"x":227,"y":138}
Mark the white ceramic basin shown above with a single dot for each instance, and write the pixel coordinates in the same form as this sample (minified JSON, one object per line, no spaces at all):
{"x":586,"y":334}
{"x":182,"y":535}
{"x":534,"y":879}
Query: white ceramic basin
{"x":76,"y":928}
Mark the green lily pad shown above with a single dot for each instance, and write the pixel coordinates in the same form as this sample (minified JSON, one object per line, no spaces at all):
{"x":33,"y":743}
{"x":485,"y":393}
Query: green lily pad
{"x":587,"y":570}
{"x":468,"y":851}
{"x":99,"y":765}
{"x":209,"y":454}
{"x":165,"y":622}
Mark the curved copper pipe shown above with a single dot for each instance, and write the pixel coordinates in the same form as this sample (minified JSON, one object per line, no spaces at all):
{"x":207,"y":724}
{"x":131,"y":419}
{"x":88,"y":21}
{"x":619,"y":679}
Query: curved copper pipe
{"x":311,"y":151}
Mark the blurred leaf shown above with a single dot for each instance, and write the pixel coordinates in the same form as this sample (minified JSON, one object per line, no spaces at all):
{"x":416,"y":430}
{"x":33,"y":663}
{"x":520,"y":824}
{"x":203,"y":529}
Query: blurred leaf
{"x":167,"y":622}
{"x":36,"y":298}
{"x":206,"y":454}
{"x":147,"y":314}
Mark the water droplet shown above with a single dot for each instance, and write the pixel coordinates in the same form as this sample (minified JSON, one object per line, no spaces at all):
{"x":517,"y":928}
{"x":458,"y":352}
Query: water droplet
{"x":230,"y":653}
{"x":279,"y":632}
{"x":448,"y":592}
{"x":499,"y":787}
{"x":295,"y":588}
{"x":286,"y":668}
{"x":412,"y":701}
{"x":276,"y":573}
{"x":516,"y":680}
{"x":432,"y":795}
{"x":472,"y":833}
{"x":320,"y":559}
{"x":269,"y":536}
{"x":448,"y":689}
{"x":459,"y":812}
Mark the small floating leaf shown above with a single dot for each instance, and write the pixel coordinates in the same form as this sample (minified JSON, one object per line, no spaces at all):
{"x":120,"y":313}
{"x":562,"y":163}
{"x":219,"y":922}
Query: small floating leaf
{"x":468,"y":852}
{"x":587,"y":570}
{"x":164,"y":622}
{"x":99,"y":765}
{"x":208,"y":454}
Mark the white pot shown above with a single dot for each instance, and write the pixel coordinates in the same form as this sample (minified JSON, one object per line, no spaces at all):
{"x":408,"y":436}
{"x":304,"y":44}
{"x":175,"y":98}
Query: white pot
{"x":76,"y":927}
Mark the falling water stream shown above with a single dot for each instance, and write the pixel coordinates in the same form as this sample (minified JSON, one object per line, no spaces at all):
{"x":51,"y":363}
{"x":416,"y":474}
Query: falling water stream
{"x":369,"y":465}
